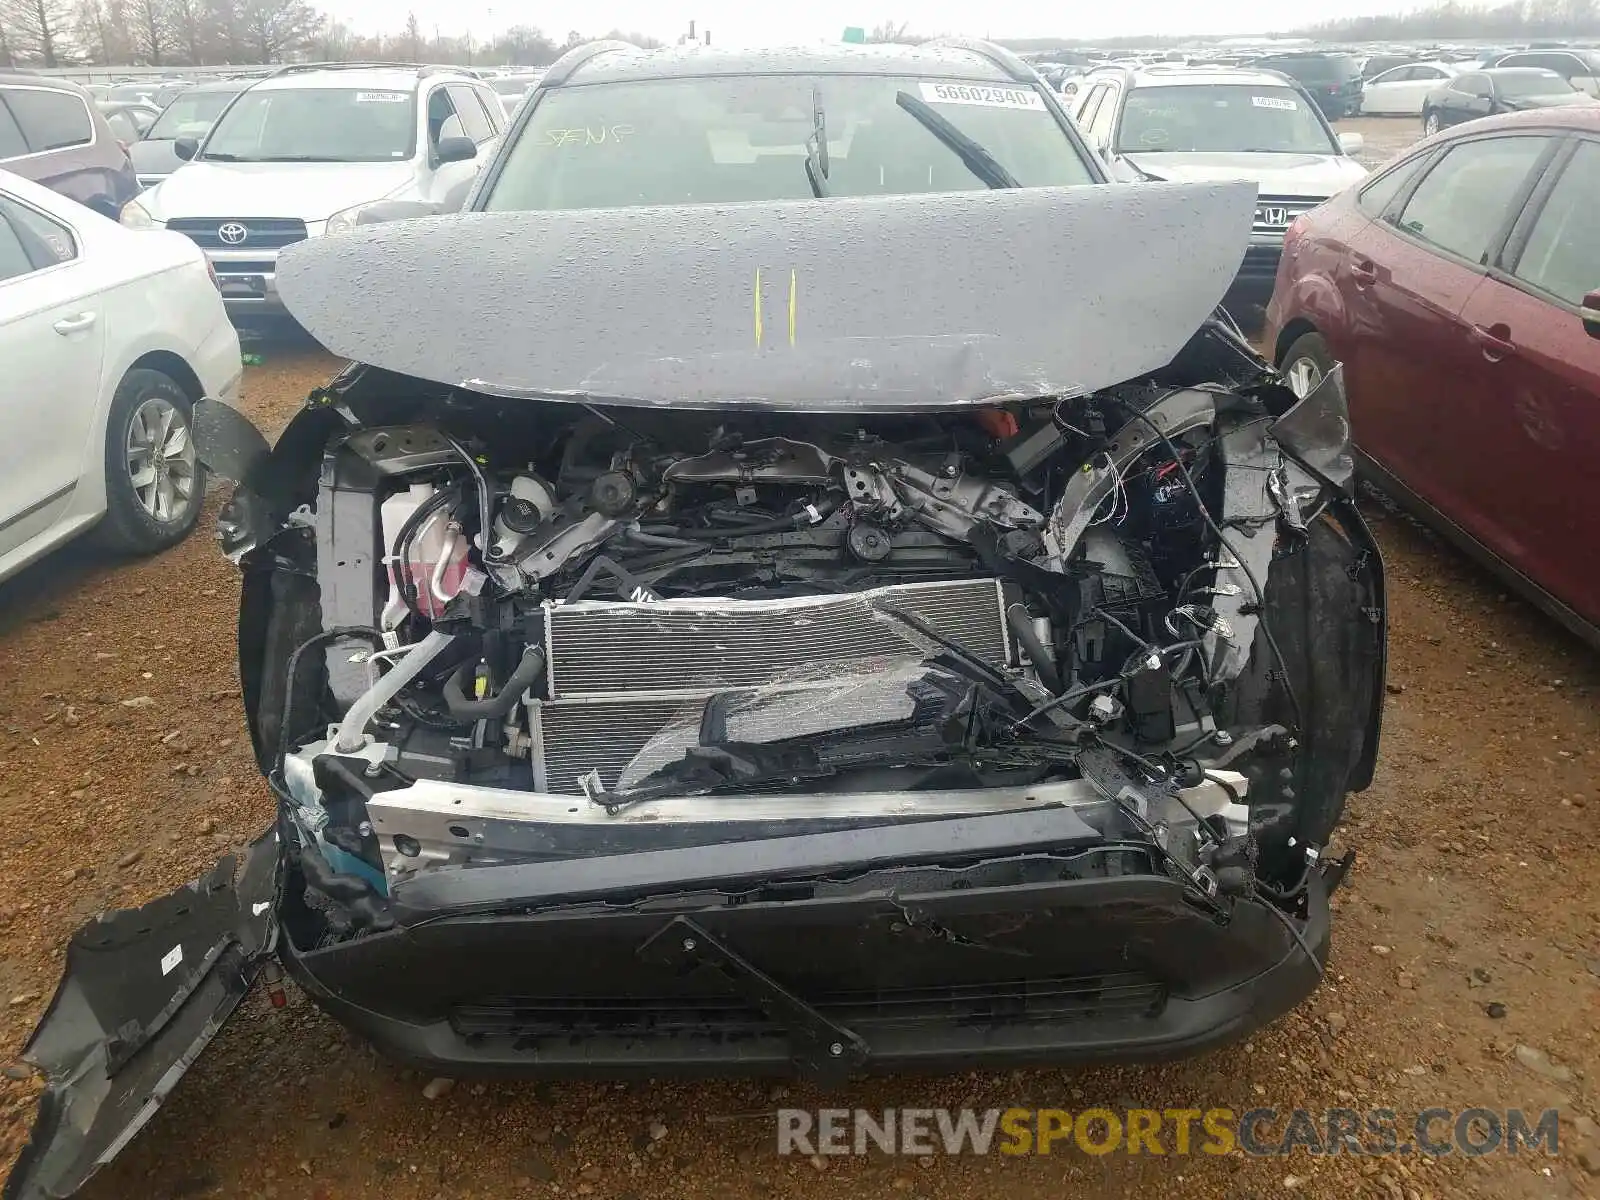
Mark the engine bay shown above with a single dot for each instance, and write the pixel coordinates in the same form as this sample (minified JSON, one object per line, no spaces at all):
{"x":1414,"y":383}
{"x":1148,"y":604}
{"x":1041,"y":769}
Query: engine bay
{"x":492,"y":617}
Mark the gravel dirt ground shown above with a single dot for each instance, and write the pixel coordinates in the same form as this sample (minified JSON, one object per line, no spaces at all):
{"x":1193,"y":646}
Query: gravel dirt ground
{"x":1465,"y":970}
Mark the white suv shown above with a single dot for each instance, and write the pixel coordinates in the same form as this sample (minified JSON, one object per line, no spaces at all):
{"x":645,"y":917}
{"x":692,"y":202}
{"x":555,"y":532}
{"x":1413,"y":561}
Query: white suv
{"x":1207,"y":123}
{"x":299,"y":153}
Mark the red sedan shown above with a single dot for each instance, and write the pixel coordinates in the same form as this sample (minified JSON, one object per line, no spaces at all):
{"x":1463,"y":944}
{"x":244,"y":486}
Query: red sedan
{"x":1460,"y":288}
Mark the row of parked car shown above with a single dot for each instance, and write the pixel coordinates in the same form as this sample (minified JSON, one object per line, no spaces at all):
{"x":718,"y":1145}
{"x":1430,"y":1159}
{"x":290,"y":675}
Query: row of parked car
{"x":1488,"y":262}
{"x":1343,"y":84}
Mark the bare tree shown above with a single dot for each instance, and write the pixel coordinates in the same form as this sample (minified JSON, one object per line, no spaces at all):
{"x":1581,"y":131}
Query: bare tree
{"x":37,"y":31}
{"x":150,"y":30}
{"x":890,"y":31}
{"x":412,"y":38}
{"x":334,"y":43}
{"x":523,"y":46}
{"x":190,"y":25}
{"x":274,"y":29}
{"x":1512,"y":21}
{"x":93,"y":33}
{"x":226,"y":25}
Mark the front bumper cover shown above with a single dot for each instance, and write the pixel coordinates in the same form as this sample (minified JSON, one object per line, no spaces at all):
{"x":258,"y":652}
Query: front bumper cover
{"x":660,"y":963}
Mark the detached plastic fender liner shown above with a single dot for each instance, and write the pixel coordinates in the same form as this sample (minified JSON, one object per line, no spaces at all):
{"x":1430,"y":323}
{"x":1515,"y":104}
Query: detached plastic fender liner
{"x":144,"y":990}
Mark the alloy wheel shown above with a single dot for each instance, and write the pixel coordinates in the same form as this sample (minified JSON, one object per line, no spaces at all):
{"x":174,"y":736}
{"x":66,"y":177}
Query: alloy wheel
{"x":161,"y":459}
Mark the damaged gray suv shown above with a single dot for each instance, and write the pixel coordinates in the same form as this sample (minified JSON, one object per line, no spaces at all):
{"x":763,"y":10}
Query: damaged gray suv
{"x":862,"y":611}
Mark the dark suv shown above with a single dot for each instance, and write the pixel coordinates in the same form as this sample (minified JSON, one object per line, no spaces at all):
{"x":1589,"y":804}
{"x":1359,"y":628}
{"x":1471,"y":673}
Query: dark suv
{"x":1334,"y":80}
{"x":52,"y":134}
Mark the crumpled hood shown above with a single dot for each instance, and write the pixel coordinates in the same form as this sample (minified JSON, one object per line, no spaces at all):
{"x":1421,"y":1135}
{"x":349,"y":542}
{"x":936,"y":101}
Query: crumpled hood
{"x":1317,"y":175}
{"x":309,"y":191}
{"x":876,"y":304}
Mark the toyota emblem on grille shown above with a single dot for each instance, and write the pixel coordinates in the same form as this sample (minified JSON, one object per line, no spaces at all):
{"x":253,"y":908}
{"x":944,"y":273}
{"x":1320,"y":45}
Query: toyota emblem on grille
{"x":232,"y":233}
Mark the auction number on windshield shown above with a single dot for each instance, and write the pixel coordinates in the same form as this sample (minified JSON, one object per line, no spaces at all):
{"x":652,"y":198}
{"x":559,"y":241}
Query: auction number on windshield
{"x":992,"y":97}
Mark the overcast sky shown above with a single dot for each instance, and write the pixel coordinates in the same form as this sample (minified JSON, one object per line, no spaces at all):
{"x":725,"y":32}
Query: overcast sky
{"x":764,"y":22}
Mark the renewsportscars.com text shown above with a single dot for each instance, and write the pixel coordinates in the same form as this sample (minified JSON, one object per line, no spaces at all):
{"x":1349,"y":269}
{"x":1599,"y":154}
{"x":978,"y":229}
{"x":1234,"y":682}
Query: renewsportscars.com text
{"x":1263,"y":1132}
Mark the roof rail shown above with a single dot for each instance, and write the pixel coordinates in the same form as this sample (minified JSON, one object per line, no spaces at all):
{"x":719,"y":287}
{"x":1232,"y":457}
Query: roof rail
{"x":301,"y":68}
{"x":562,"y":69}
{"x":1017,"y":70}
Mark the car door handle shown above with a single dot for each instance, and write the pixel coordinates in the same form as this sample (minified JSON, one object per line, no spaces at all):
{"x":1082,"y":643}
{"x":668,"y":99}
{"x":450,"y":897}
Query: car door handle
{"x":75,"y":324}
{"x":1495,"y":341}
{"x":1364,"y":273}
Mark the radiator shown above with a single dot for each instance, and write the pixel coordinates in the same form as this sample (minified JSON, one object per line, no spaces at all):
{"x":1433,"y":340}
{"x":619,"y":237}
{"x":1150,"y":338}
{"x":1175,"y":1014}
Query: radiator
{"x":621,"y":673}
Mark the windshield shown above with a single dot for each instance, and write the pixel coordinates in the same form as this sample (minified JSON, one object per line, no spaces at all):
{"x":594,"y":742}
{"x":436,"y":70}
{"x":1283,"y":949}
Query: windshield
{"x":708,"y":141}
{"x":190,"y":115}
{"x":315,"y":125}
{"x":1531,"y":83}
{"x":1221,"y":118}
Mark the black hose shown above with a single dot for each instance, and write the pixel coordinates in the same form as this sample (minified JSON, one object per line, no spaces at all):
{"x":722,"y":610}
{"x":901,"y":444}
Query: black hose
{"x":656,"y":539}
{"x":529,"y":671}
{"x":485,"y":501}
{"x":1022,"y":627}
{"x":825,"y":509}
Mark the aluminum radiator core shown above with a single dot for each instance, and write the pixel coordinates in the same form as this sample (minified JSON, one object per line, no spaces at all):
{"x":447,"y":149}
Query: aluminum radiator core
{"x":619,"y":673}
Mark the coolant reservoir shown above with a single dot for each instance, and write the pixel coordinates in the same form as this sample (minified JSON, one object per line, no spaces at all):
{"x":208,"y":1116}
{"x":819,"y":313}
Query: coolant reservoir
{"x":438,"y":560}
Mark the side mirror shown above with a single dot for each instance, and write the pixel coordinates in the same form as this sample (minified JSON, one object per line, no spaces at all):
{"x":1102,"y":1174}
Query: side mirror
{"x":1351,"y":143}
{"x":1590,"y":314}
{"x":455,"y":149}
{"x":186,"y":148}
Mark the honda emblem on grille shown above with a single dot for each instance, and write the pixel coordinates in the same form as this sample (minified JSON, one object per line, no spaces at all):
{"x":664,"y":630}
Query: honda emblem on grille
{"x":1274,"y":215}
{"x":232,"y":233}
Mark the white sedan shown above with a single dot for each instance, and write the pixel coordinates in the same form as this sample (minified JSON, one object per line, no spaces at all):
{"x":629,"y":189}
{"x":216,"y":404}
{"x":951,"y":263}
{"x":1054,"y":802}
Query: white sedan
{"x":107,"y":338}
{"x":1400,"y":91}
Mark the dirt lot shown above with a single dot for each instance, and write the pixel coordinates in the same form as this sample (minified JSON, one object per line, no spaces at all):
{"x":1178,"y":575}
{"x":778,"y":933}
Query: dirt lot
{"x":1385,"y":136}
{"x":1466,"y":965}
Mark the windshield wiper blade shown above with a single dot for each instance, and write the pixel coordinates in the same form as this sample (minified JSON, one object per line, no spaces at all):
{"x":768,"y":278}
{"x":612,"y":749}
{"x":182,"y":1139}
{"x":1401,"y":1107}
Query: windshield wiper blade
{"x":299,"y":158}
{"x":817,"y":148}
{"x":974,"y":154}
{"x":221,"y":157}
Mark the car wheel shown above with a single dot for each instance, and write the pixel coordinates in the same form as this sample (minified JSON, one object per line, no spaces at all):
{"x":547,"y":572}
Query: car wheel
{"x":1306,"y":364}
{"x":1431,"y":124}
{"x":155,"y":484}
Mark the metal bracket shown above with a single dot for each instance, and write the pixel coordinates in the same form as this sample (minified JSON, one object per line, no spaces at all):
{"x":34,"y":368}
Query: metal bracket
{"x":1335,"y":869}
{"x":818,"y":1047}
